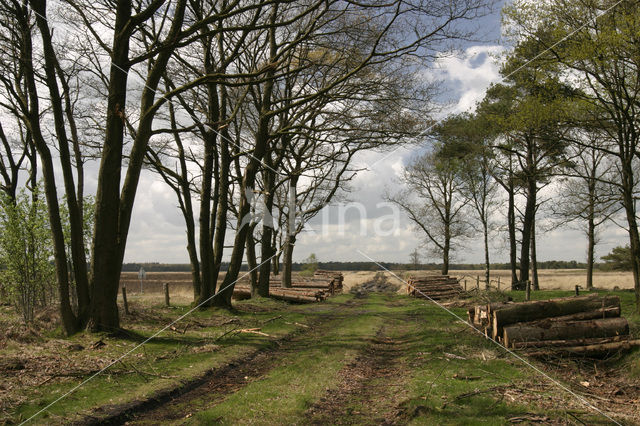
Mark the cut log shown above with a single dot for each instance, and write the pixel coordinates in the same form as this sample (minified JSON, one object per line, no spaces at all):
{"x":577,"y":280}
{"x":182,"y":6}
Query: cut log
{"x":568,"y":330}
{"x":434,"y":286}
{"x":611,"y":312}
{"x":588,"y":350}
{"x":530,"y":311}
{"x":480,"y":316}
{"x":491,"y":307}
{"x":289,"y":294}
{"x":567,"y":343}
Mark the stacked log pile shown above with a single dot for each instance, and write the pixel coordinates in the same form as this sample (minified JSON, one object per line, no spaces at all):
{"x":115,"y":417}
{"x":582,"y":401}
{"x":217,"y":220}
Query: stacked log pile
{"x":436,"y":287}
{"x":589,"y":325}
{"x":306,"y":290}
{"x":336,"y":278}
{"x":301,"y":295}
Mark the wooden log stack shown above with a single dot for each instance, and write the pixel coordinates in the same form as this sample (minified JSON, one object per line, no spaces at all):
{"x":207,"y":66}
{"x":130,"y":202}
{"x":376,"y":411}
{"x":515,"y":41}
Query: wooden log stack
{"x":303,"y":290}
{"x":436,"y":287}
{"x":300,"y":295}
{"x":336,"y":278}
{"x":589,"y":325}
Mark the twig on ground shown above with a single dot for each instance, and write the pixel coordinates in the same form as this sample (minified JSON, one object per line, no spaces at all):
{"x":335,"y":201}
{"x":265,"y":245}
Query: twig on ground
{"x":254,"y":331}
{"x":272,"y":319}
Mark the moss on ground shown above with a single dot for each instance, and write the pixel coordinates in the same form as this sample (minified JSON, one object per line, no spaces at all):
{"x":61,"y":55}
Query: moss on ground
{"x":437,"y":371}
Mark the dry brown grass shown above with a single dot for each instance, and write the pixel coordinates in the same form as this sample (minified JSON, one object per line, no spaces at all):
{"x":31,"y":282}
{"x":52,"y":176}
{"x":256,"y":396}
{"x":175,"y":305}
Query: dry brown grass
{"x":558,"y":279}
{"x":550,"y":279}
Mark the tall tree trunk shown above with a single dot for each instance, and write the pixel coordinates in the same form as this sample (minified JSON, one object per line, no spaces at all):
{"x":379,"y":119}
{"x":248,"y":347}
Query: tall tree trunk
{"x":69,"y":320}
{"x":266,"y":249}
{"x":446,"y":249}
{"x":634,"y":237}
{"x":208,"y":285}
{"x":527,"y":222}
{"x":287,"y":261}
{"x":291,"y":233}
{"x":534,"y":259}
{"x":105,"y":270}
{"x":591,"y":238}
{"x":251,"y":262}
{"x":276,"y":259}
{"x":591,"y":228}
{"x":248,"y":180}
{"x":487,"y":264}
{"x":223,"y":206}
{"x":511,"y":224}
{"x":79,"y":261}
{"x":114,"y":209}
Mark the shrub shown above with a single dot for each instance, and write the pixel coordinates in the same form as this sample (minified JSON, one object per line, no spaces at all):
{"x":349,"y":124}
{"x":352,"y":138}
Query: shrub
{"x":26,"y":252}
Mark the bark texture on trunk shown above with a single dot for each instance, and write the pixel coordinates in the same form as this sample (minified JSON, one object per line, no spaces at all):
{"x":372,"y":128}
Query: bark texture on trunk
{"x":267,"y":251}
{"x":591,"y":237}
{"x":291,"y":233}
{"x":527,"y":223}
{"x":513,"y":244}
{"x":251,"y":262}
{"x":569,"y":330}
{"x":287,"y":261}
{"x":69,"y":320}
{"x":534,"y":259}
{"x":487,"y":263}
{"x":74,"y":205}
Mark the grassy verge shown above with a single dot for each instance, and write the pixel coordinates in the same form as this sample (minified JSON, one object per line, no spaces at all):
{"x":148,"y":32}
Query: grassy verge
{"x":205,"y":340}
{"x":433,"y":369}
{"x":287,"y":391}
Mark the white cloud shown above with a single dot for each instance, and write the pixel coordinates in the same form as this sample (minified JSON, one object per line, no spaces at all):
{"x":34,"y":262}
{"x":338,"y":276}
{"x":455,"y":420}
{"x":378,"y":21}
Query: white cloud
{"x":469,"y":74}
{"x":158,"y":231}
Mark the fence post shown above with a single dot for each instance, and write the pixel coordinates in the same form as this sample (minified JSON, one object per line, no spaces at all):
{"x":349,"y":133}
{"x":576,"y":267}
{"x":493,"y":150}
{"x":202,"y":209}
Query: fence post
{"x":465,"y":284}
{"x":498,"y":282}
{"x":577,"y":290}
{"x":165,"y":287}
{"x":528,"y":295}
{"x":478,"y":282}
{"x":124,"y":300}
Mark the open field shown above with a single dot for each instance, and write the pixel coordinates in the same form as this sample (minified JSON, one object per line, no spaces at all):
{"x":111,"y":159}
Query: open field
{"x":372,"y":359}
{"x":558,"y":279}
{"x":550,"y":279}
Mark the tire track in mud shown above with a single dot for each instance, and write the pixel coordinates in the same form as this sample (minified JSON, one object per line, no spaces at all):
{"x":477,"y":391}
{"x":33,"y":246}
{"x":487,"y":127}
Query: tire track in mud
{"x":217,"y":384}
{"x":369,"y":388}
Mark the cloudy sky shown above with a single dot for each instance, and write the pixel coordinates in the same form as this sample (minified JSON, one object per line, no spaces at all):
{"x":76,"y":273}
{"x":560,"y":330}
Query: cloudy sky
{"x":341,"y":231}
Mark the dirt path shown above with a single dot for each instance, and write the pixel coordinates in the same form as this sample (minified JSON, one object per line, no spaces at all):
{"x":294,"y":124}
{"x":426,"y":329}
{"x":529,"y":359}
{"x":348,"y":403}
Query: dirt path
{"x":372,"y":380}
{"x":235,"y":375}
{"x":375,"y":360}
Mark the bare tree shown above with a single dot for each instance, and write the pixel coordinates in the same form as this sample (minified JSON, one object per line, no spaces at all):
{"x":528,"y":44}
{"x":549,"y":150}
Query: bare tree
{"x":585,"y":196}
{"x":482,"y":191}
{"x":466,"y":143}
{"x":414,"y":259}
{"x":435,"y":202}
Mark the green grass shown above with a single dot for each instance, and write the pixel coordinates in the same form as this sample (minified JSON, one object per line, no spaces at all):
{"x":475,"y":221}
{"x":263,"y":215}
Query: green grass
{"x":427,"y":384}
{"x":163,"y":362}
{"x":442,"y":372}
{"x":288,"y":390}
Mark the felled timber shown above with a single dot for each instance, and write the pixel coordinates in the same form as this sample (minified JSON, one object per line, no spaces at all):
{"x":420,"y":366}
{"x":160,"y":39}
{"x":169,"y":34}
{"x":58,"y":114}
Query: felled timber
{"x":569,"y":343}
{"x":530,"y":311}
{"x":588,"y":325}
{"x":567,"y":330}
{"x":336,"y":276}
{"x":288,"y":294}
{"x":433,"y":286}
{"x":595,"y":350}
